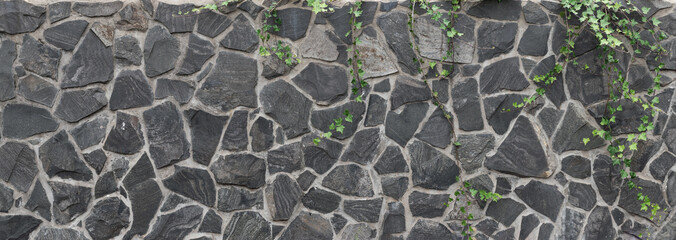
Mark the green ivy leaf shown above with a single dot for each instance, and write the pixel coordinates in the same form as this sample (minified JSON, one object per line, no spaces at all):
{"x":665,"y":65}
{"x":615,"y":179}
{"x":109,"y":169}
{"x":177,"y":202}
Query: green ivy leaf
{"x":585,"y":141}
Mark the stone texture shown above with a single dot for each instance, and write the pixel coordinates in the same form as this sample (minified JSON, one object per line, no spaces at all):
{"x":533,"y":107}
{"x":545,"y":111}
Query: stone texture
{"x":132,"y":17}
{"x":294,"y":24}
{"x":181,"y":91}
{"x":18,"y":226}
{"x":495,"y":38}
{"x":97,"y":9}
{"x":38,"y":57}
{"x":168,"y":143}
{"x":126,"y":136}
{"x":408,"y":90}
{"x":261,"y":134}
{"x":569,"y":136}
{"x":235,"y":137}
{"x":287,"y":158}
{"x":171,"y":17}
{"x":65,"y":35}
{"x":69,"y":202}
{"x":363,"y":147}
{"x":243,"y":36}
{"x":349,"y":180}
{"x":661,"y":165}
{"x":326,"y":84}
{"x":473,"y":149}
{"x":430,"y":168}
{"x":322,"y":119}
{"x":629,"y":202}
{"x":392,"y":24}
{"x":206,"y":131}
{"x":145,"y":196}
{"x":521,"y":153}
{"x":534,"y":41}
{"x":211,"y":24}
{"x":108,"y":217}
{"x":236,"y":198}
{"x":555,"y":91}
{"x":106,"y":184}
{"x":17,"y":165}
{"x":465,"y":101}
{"x":59,"y":233}
{"x":247,"y":225}
{"x":364,"y":210}
{"x":38,"y":90}
{"x":599,"y":225}
{"x":192,"y":183}
{"x":92,"y":62}
{"x":59,"y":158}
{"x":39,"y":203}
{"x":239,"y":169}
{"x":400,"y":127}
{"x":321,"y":200}
{"x":128,"y":50}
{"x":427,"y":205}
{"x":505,"y":210}
{"x":502,"y":75}
{"x":576,"y":166}
{"x":376,"y":60}
{"x":177,"y":224}
{"x":198,"y":52}
{"x":437,"y":131}
{"x":315,"y":45}
{"x":375,"y":114}
{"x":541,"y":197}
{"x":427,"y":229}
{"x":308,"y":226}
{"x":283,"y":195}
{"x":7,"y":78}
{"x":160,"y":51}
{"x":59,"y":11}
{"x":508,"y":10}
{"x":626,"y":121}
{"x":211,"y":223}
{"x":395,"y":218}
{"x":581,"y":195}
{"x":77,"y":104}
{"x":20,"y":17}
{"x":22,"y":121}
{"x":6,"y":198}
{"x":231,"y":83}
{"x":587,"y":85}
{"x":500,"y":111}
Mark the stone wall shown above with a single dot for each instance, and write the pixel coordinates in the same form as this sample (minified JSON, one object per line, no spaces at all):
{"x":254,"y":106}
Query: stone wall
{"x":128,"y":120}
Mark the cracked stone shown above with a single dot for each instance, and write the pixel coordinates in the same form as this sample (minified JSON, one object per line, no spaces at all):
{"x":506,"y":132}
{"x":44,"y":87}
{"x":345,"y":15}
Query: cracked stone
{"x":400,"y":127}
{"x":495,"y":38}
{"x":287,"y":158}
{"x":168,"y":143}
{"x":192,"y":183}
{"x":349,"y":180}
{"x":211,"y":23}
{"x":92,"y":62}
{"x":128,"y":50}
{"x":145,"y":195}
{"x":160,"y":51}
{"x":431,"y":168}
{"x":39,"y":58}
{"x":283,"y":195}
{"x":20,"y":17}
{"x":243,"y":36}
{"x":70,"y":201}
{"x":177,"y":224}
{"x":239,"y":169}
{"x":66,"y":35}
{"x":78,"y":104}
{"x":206,"y":131}
{"x":59,"y":158}
{"x":126,"y":137}
{"x":236,"y":198}
{"x":179,"y":90}
{"x":326,"y":84}
{"x":108,"y":217}
{"x":198,"y":52}
{"x":321,"y":200}
{"x":247,"y":225}
{"x":235,"y":137}
{"x":170,"y":16}
{"x":232,"y":82}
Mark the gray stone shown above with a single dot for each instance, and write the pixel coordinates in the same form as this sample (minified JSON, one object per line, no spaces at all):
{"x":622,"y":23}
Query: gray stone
{"x":145,"y":196}
{"x":306,"y":179}
{"x":179,"y":90}
{"x":400,"y":127}
{"x":78,"y":104}
{"x":431,"y":168}
{"x":549,"y":119}
{"x":92,"y":62}
{"x":96,"y":9}
{"x":105,"y":33}
{"x":507,"y":234}
{"x":534,"y":41}
{"x":308,"y":226}
{"x":197,"y":53}
{"x":168,"y":143}
{"x":211,"y":223}
{"x":503,"y":186}
{"x":128,"y":50}
{"x":465,"y":102}
{"x":236,"y":198}
{"x":359,"y":231}
{"x":626,"y":121}
{"x":17,"y":165}
{"x":545,"y":231}
{"x":37,"y":89}
{"x":325,"y":83}
{"x":427,"y":205}
{"x":508,"y":10}
{"x":6,"y":198}
{"x":20,"y":17}
{"x":320,"y":157}
{"x":372,"y":51}
{"x":646,"y":150}
{"x":629,"y":200}
{"x":599,"y":225}
{"x":39,"y":203}
{"x":570,"y":135}
{"x":211,"y":24}
{"x":243,"y":36}
{"x":231,"y":83}
{"x":132,"y":17}
{"x":322,"y":119}
{"x":668,"y":23}
{"x":294,"y":24}
{"x":395,"y":218}
{"x":204,"y":72}
{"x":66,"y":35}
{"x":59,"y":233}
{"x":160,"y":51}
{"x":502,"y":75}
{"x":249,"y":226}
{"x":261,"y":134}
{"x":363,"y":147}
{"x":338,"y":222}
{"x":59,"y":11}
{"x":126,"y":136}
{"x":640,"y":79}
{"x":434,"y":44}
{"x":318,"y":45}
{"x":235,"y":137}
{"x":541,"y":197}
{"x":408,"y":90}
{"x":239,"y":169}
{"x":350,"y":180}
{"x":321,"y":200}
{"x":37,"y":57}
{"x":427,"y":229}
{"x":70,"y":201}
{"x":340,"y":18}
{"x":176,"y":225}
{"x":521,"y":153}
{"x":192,"y":183}
{"x":177,"y":18}
{"x":534,"y":14}
{"x":505,"y":210}
{"x":206,"y":131}
{"x":393,"y":24}
{"x":671,"y":186}
{"x":375,"y":115}
{"x":576,"y":166}
{"x":437,"y":131}
{"x":22,"y":121}
{"x":18,"y":226}
{"x":274,"y":67}
{"x":668,"y":231}
{"x":394,"y":187}
{"x":487,"y":226}
{"x":253,"y":10}
{"x":581,"y":195}
{"x":495,"y":38}
{"x":106,"y":184}
{"x":382,"y":86}
{"x":287,"y":158}
{"x":607,"y":178}
{"x":7,"y":78}
{"x":108,"y":217}
{"x":587,"y":85}
{"x":283,"y":195}
{"x":59,"y":158}
{"x":661,"y":165}
{"x":364,"y":210}
{"x":473,"y":149}
{"x":172,"y":201}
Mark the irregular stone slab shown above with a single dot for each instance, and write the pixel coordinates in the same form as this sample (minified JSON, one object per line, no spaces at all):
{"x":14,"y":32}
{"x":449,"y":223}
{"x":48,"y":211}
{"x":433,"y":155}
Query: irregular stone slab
{"x":576,"y":166}
{"x":321,"y":200}
{"x":534,"y":14}
{"x":569,"y":136}
{"x":599,"y":225}
{"x":306,"y":179}
{"x":376,"y":111}
{"x":211,"y":24}
{"x":90,"y":133}
{"x":629,"y":200}
{"x":487,"y":226}
{"x":38,"y":57}
{"x":400,"y":127}
{"x":283,"y":195}
{"x":206,"y":131}
{"x":232,"y":82}
{"x":671,"y":187}
{"x":431,"y":169}
{"x":549,"y":118}
{"x":433,"y":42}
{"x":6,"y":198}
{"x":408,"y":90}
{"x":322,"y":119}
{"x":555,"y":92}
{"x":607,"y":178}
{"x":338,"y":222}
{"x":37,"y":89}
{"x":235,"y":137}
{"x":427,"y":229}
{"x":274,"y":67}
{"x":294,"y":24}
{"x":39,"y":203}
{"x":521,"y":153}
{"x":160,"y":51}
{"x":349,"y":180}
{"x":646,"y":150}
{"x":465,"y":99}
{"x":239,"y":169}
{"x":59,"y":233}
{"x":505,"y":210}
{"x":377,"y":62}
{"x":179,"y":90}
{"x":508,"y":10}
{"x":320,"y":157}
{"x":581,"y":195}
{"x":20,"y":17}
{"x":106,"y":184}
{"x":437,"y":130}
{"x":92,"y":62}
{"x":326,"y":84}
{"x":145,"y":195}
{"x":132,"y":17}
{"x":587,"y":85}
{"x":192,"y":183}
{"x":168,"y":143}
{"x":211,"y":223}
{"x":59,"y":11}
{"x":172,"y":201}
{"x":59,"y":158}
{"x":177,"y":18}
{"x":126,"y":136}
{"x":17,"y":165}
{"x":78,"y":104}
{"x":395,"y":218}
{"x":358,"y":231}
{"x":318,"y":45}
{"x":394,"y":187}
{"x":247,"y":225}
{"x":70,"y":201}
{"x":534,"y":41}
{"x":198,"y":52}
{"x":22,"y":121}
{"x":626,"y":121}
{"x":427,"y":205}
{"x":251,"y":8}
{"x":104,"y":32}
{"x":7,"y":78}
{"x":96,"y":9}
{"x":66,"y":35}
{"x":128,"y":51}
{"x":495,"y":38}
{"x":502,"y":75}
{"x":261,"y":134}
{"x":473,"y":149}
{"x":243,"y":36}
{"x":541,"y":197}
{"x":177,"y":224}
{"x":287,"y":158}
{"x":364,"y":210}
{"x":236,"y":198}
{"x":393,"y":24}
{"x":661,"y":165}
{"x":339,"y":19}
{"x":18,"y":226}
{"x":108,"y":217}
{"x":528,"y":224}
{"x":308,"y":226}
{"x":363,"y":147}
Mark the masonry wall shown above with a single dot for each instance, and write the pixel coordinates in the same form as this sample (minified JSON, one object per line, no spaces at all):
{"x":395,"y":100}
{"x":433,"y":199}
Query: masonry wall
{"x":128,"y":120}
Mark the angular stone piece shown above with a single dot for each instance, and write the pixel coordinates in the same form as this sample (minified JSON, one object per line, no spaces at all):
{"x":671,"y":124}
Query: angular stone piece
{"x":661,"y":165}
{"x":145,"y":195}
{"x":39,"y":203}
{"x":437,"y":130}
{"x":400,"y":127}
{"x":549,"y":118}
{"x":306,"y":179}
{"x":581,"y":195}
{"x":22,"y":121}
{"x":126,"y":136}
{"x":431,"y":168}
{"x":179,"y":90}
{"x":59,"y":11}
{"x":325,"y":83}
{"x":295,"y":22}
{"x":132,"y":17}
{"x":108,"y":217}
{"x":505,"y":210}
{"x":170,"y":16}
{"x":177,"y":224}
{"x":576,"y":166}
{"x":211,"y":223}
{"x":534,"y":14}
{"x":349,"y":180}
{"x":465,"y":101}
{"x":261,"y":134}
{"x":473,"y":149}
{"x":20,"y":17}
{"x":253,"y":10}
{"x":247,"y":225}
{"x":433,"y":42}
{"x":197,"y":53}
{"x":211,"y":23}
{"x":375,"y":114}
{"x":17,"y":165}
{"x":128,"y":50}
{"x":569,"y":136}
{"x":646,"y":150}
{"x":235,"y":137}
{"x":308,"y":226}
{"x":287,"y":158}
{"x":534,"y":41}
{"x":322,"y":119}
{"x":59,"y":233}
{"x":206,"y":131}
{"x":274,"y":67}
{"x":66,"y":35}
{"x":38,"y":57}
{"x":70,"y":201}
{"x":599,"y":225}
{"x":521,"y":153}
{"x":502,"y":75}
{"x":395,"y":218}
{"x":236,"y":198}
{"x":338,"y":222}
{"x":78,"y":104}
{"x":192,"y":183}
{"x":555,"y":91}
{"x":541,"y":197}
{"x":587,"y":85}
{"x":172,"y":201}
{"x":59,"y":158}
{"x":232,"y":82}
{"x":243,"y":36}
{"x":283,"y":195}
{"x":495,"y":38}
{"x":92,"y":62}
{"x":168,"y":143}
{"x":239,"y":169}
{"x":106,"y":184}
{"x":104,"y":32}
{"x":18,"y":226}
{"x":37,"y":89}
{"x":364,"y":210}
{"x":6,"y":198}
{"x":607,"y":178}
{"x":671,"y":188}
{"x":626,"y":121}
{"x":652,"y":190}
{"x":318,"y":45}
{"x":393,"y":24}
{"x":508,"y":10}
{"x":320,"y":157}
{"x":321,"y":200}
{"x":427,"y":229}
{"x":97,"y":9}
{"x":394,"y":187}
{"x":408,"y":90}
{"x":427,"y":205}
{"x":160,"y":51}
{"x":7,"y":78}
{"x":487,"y":226}
{"x":364,"y":146}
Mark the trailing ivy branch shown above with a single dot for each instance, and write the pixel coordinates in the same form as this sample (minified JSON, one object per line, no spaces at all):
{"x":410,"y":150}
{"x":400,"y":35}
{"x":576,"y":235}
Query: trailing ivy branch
{"x":280,"y":49}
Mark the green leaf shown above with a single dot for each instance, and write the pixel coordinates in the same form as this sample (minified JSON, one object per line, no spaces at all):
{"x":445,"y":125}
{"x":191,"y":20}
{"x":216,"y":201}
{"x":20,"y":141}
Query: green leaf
{"x":316,"y":141}
{"x":645,"y":10}
{"x":327,"y":135}
{"x":585,"y":141}
{"x":340,"y":128}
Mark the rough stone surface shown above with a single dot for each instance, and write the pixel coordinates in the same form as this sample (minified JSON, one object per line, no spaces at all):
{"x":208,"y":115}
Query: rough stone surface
{"x":211,"y":23}
{"x":473,"y":149}
{"x":598,"y":225}
{"x":177,"y":224}
{"x":427,"y":229}
{"x":132,"y":17}
{"x":534,"y":41}
{"x":521,"y":153}
{"x":502,"y":75}
{"x":160,"y":51}
{"x":261,"y":134}
{"x":192,"y":183}
{"x":541,"y":197}
{"x":408,"y":90}
{"x":39,"y":203}
{"x":235,"y":137}
{"x":243,"y":36}
{"x":430,"y":168}
{"x":427,"y":205}
{"x":66,"y":35}
{"x":322,"y":119}
{"x":78,"y":104}
{"x":38,"y":57}
{"x":400,"y":127}
{"x":97,"y":9}
{"x":206,"y":131}
{"x":349,"y":180}
{"x":108,"y":217}
{"x":325,"y":83}
{"x":247,"y":225}
{"x":59,"y":158}
{"x":569,"y":136}
{"x":393,"y":24}
{"x":18,"y":226}
{"x":661,"y":165}
{"x":197,"y":53}
{"x":128,"y":50}
{"x":20,"y":17}
{"x":308,"y":226}
{"x":144,"y":194}
{"x":166,"y":137}
{"x":321,"y":200}
{"x":239,"y":169}
{"x":465,"y":101}
{"x":364,"y":210}
{"x":236,"y":198}
{"x":126,"y":137}
{"x":7,"y":78}
{"x":17,"y":165}
{"x":59,"y":233}
{"x":211,"y":223}
{"x":576,"y":166}
{"x":364,"y":146}
{"x":391,"y":161}
{"x":92,"y":62}
{"x":283,"y":195}
{"x":375,"y":114}
{"x":69,"y":202}
{"x":231,"y":84}
{"x":505,"y":210}
{"x":169,"y":15}
{"x":294,"y":24}
{"x":495,"y":38}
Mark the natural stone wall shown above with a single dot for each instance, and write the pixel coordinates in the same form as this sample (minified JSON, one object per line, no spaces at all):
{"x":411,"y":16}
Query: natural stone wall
{"x":126,"y":120}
